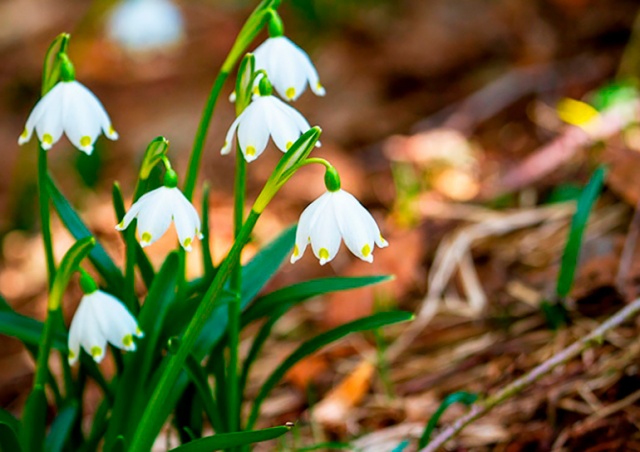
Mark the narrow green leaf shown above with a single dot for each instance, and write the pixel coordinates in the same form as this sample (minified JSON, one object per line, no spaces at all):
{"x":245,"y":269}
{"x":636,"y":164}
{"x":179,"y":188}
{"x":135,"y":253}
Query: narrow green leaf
{"x":75,"y":225}
{"x":264,"y":305}
{"x":61,"y":428}
{"x":119,"y":445}
{"x":199,"y":379}
{"x":578,"y":224}
{"x":207,"y":261}
{"x":228,"y":440}
{"x":8,"y":439}
{"x":316,"y":343}
{"x":466,"y":398}
{"x":33,"y":423}
{"x":10,"y":420}
{"x":28,"y":330}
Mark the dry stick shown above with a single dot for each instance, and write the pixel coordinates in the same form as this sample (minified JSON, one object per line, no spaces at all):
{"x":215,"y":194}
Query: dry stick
{"x":480,"y":409}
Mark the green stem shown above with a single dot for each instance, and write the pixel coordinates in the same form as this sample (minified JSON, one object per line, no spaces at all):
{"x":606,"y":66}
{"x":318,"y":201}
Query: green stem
{"x":235,"y":398}
{"x":249,"y":31}
{"x":155,"y":412}
{"x":45,"y":218}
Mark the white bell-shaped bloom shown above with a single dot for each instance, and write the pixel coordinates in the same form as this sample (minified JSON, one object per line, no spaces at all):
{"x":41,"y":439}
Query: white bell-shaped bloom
{"x":288,"y":67}
{"x":265,"y":116}
{"x":154,"y":212}
{"x":145,"y":25}
{"x":334,"y":216}
{"x":71,"y":108}
{"x":99,"y":319}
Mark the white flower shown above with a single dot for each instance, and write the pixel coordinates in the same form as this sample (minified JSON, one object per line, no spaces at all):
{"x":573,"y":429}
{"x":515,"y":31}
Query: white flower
{"x":335,"y":215}
{"x":145,"y":25}
{"x":154,"y":212}
{"x":288,"y":67}
{"x":71,"y":108}
{"x":265,"y":115}
{"x":101,"y":318}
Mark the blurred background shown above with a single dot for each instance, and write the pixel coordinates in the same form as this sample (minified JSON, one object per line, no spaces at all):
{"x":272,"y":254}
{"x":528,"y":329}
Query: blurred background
{"x":432,"y":109}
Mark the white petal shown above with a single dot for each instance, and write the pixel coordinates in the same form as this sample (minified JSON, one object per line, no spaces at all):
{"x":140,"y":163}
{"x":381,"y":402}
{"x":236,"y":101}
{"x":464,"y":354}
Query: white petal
{"x":303,"y":231}
{"x":37,"y":112}
{"x":325,"y":235}
{"x":49,"y":125}
{"x":83,"y":116}
{"x":286,"y":124}
{"x":186,"y":219}
{"x":74,"y":332}
{"x":228,"y":141}
{"x":91,"y":337}
{"x":118,"y":326}
{"x":253,"y":131}
{"x":290,"y":78}
{"x":154,"y":217}
{"x":358,"y":228}
{"x":132,"y":213}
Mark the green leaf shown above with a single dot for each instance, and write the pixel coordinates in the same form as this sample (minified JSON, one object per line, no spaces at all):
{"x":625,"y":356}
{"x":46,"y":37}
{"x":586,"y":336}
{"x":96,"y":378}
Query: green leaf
{"x":61,"y":428}
{"x":33,"y":424}
{"x":199,"y":379}
{"x":316,"y":343}
{"x":119,"y":445}
{"x":8,"y":439}
{"x":10,"y":420}
{"x":228,"y":440}
{"x":264,"y":305}
{"x":51,"y":69}
{"x":28,"y":330}
{"x":131,"y":393}
{"x":466,"y":398}
{"x":207,"y":261}
{"x":75,"y":225}
{"x":578,"y":224}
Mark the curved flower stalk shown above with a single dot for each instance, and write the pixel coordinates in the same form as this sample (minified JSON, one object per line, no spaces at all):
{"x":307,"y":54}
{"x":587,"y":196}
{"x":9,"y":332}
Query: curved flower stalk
{"x":145,"y":25}
{"x":288,"y":66}
{"x":100,"y":318}
{"x":336,"y":215}
{"x":71,"y":108}
{"x":265,"y":116}
{"x":155,"y":211}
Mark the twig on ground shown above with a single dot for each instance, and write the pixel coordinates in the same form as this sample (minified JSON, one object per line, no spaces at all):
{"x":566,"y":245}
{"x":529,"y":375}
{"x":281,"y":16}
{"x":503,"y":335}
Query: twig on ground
{"x":480,"y":409}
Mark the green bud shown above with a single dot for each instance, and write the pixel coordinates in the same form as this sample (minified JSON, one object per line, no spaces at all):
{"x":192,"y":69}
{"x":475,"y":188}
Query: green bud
{"x":170,"y":178}
{"x":265,"y":88}
{"x":332,"y":179}
{"x":87,"y":283}
{"x":276,"y":27}
{"x":155,"y":152}
{"x":67,"y":71}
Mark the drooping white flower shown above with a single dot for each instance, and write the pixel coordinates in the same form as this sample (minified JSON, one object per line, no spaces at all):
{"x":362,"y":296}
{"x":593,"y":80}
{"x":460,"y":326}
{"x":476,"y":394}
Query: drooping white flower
{"x":71,"y":108}
{"x":145,"y":25}
{"x":265,"y":116}
{"x":334,"y":216}
{"x":288,"y":67}
{"x":154,"y":212}
{"x":101,"y":318}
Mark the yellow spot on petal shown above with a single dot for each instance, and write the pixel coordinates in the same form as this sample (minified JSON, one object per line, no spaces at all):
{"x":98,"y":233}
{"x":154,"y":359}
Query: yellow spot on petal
{"x":250,"y":151}
{"x":85,"y":141}
{"x":296,"y":251}
{"x":47,"y":139}
{"x":226,"y":143}
{"x":120,"y":225}
{"x":146,"y":237}
{"x":366,"y":250}
{"x":187,"y":242}
{"x":575,"y":112}
{"x":382,"y":239}
{"x":319,"y":85}
{"x":72,"y":355}
{"x":112,"y":131}
{"x":290,"y":93}
{"x":323,"y":253}
{"x":288,"y":145}
{"x":139,"y":332}
{"x":96,"y":351}
{"x":127,"y":340}
{"x":24,"y":134}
